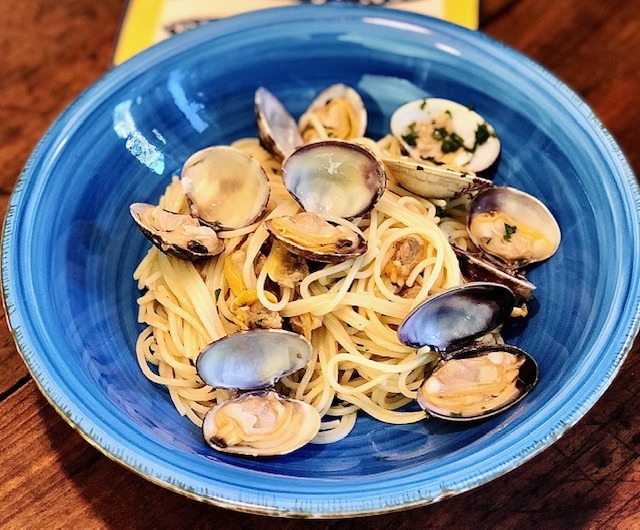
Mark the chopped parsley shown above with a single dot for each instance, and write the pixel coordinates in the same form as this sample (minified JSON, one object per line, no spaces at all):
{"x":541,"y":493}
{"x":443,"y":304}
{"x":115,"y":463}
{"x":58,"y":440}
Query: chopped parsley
{"x":439,"y":134}
{"x":482,"y":134}
{"x":423,"y":104}
{"x":450,"y":140}
{"x":411,"y":136}
{"x":441,"y":212}
{"x":217,"y":294}
{"x":217,"y":224}
{"x":509,"y":231}
{"x":452,"y":143}
{"x":456,"y":414}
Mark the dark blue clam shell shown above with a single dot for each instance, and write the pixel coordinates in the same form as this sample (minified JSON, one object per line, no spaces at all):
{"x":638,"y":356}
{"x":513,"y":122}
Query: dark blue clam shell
{"x":255,"y":359}
{"x":455,"y":318}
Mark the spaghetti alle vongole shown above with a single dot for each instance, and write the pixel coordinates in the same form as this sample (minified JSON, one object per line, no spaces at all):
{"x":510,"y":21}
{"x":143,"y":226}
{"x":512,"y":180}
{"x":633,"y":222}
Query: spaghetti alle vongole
{"x":349,"y":308}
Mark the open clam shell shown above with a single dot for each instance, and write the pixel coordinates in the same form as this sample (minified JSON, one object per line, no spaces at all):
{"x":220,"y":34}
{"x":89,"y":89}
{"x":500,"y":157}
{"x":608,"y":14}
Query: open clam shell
{"x":337,"y":112}
{"x":254,"y":359}
{"x":177,"y":235}
{"x":476,"y":269}
{"x":512,"y":226}
{"x":433,"y":182}
{"x":334,"y":177}
{"x":260,"y":424}
{"x":445,"y":131}
{"x":226,"y":188}
{"x":277,"y":129}
{"x":478,"y":383}
{"x":312,"y":237}
{"x":469,"y":381}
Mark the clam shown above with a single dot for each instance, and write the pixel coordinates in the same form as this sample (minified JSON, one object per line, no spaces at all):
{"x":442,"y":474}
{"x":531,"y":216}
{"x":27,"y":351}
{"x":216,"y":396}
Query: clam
{"x":334,"y":177}
{"x":478,"y":383}
{"x":476,"y":268}
{"x":252,"y":359}
{"x":337,"y":112}
{"x":177,"y":235}
{"x":310,"y":236}
{"x":444,"y":131}
{"x":512,"y":226}
{"x":259,"y":422}
{"x":277,"y":129}
{"x":284,"y":267}
{"x":456,"y":317}
{"x":469,"y":381}
{"x":226,"y":188}
{"x":433,"y":181}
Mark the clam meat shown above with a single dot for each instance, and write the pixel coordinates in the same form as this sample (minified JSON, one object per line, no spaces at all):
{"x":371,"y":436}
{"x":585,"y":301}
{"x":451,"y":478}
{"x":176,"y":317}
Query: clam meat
{"x":469,"y":381}
{"x":337,"y":112}
{"x":284,"y":267}
{"x":334,"y":177}
{"x":407,"y":253}
{"x":479,"y":383}
{"x":177,"y":235}
{"x":260,"y":424}
{"x":512,"y":226}
{"x":443,"y":131}
{"x":313,"y":237}
{"x":226,"y":188}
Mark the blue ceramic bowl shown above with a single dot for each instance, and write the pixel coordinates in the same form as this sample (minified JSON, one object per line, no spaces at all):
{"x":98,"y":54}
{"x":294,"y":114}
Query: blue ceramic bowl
{"x":70,"y":248}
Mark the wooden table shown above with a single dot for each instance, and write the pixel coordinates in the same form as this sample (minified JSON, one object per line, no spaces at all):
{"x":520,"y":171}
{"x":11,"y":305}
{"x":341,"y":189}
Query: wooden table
{"x":49,"y":476}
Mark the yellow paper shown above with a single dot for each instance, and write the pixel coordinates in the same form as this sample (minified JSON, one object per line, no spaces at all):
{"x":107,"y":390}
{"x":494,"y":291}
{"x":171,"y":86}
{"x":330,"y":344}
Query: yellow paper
{"x":149,"y":21}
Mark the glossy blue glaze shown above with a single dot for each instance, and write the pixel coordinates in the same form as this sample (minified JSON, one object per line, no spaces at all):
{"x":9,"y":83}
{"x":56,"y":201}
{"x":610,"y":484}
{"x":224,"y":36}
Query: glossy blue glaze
{"x":70,"y":248}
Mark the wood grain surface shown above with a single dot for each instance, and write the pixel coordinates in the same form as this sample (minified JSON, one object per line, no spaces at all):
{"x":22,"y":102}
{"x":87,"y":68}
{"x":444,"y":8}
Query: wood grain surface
{"x":50,"y":477}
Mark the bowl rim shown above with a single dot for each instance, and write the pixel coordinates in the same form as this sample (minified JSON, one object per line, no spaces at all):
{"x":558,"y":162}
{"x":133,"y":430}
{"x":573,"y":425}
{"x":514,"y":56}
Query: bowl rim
{"x":143,"y":463}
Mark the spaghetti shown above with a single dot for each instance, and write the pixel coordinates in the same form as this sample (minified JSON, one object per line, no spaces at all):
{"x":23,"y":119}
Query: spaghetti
{"x":349,"y":311}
